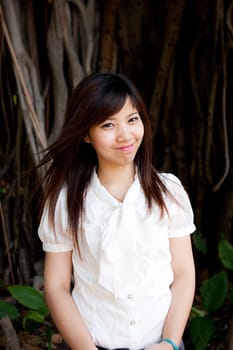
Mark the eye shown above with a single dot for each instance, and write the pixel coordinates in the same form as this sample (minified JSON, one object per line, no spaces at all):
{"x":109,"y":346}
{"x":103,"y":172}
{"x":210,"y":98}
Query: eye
{"x":134,"y":119}
{"x":107,"y":125}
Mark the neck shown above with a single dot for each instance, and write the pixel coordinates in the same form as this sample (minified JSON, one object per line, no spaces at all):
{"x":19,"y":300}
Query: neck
{"x":112,"y":175}
{"x":117,"y":181}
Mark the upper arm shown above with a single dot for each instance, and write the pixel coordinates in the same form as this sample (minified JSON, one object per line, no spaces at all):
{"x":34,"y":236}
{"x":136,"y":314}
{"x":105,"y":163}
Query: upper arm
{"x":182,"y":255}
{"x":58,"y":270}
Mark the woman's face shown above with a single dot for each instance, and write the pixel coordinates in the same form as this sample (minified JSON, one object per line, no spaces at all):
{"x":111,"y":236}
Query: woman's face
{"x":117,"y":139}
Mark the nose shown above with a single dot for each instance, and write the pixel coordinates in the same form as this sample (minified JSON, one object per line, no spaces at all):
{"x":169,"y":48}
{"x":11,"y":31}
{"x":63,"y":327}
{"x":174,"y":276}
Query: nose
{"x":123,"y":133}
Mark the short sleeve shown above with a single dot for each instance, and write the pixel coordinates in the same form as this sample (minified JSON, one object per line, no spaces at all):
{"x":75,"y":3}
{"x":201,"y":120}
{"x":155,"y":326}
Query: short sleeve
{"x":55,"y":239}
{"x":181,"y":218}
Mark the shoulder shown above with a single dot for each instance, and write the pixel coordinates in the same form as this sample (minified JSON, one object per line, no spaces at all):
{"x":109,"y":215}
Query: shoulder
{"x":59,"y":207}
{"x":175,"y":188}
{"x":172,"y":183}
{"x":169,"y":179}
{"x":181,"y":218}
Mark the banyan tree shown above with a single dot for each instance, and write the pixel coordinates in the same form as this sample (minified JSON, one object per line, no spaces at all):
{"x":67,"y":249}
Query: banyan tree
{"x":178,"y":53}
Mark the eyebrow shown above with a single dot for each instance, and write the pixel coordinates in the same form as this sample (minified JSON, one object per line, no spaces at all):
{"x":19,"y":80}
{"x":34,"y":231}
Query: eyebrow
{"x":127,"y":116}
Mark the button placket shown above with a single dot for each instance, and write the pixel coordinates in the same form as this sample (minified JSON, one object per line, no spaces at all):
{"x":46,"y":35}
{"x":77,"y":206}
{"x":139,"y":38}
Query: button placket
{"x":132,"y":320}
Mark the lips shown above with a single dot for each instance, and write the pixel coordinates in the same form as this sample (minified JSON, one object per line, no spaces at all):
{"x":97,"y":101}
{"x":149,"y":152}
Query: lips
{"x":126,"y":148}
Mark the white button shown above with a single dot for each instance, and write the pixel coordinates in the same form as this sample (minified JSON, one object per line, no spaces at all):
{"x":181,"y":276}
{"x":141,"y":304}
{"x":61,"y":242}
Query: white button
{"x":132,"y":322}
{"x":130,"y":296}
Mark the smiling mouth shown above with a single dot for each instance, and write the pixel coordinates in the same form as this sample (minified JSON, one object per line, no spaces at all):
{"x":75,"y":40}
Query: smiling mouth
{"x":126,"y":148}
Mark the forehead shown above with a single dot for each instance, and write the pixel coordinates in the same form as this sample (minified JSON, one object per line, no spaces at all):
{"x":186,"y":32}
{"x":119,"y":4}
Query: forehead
{"x":107,"y":110}
{"x":126,"y":110}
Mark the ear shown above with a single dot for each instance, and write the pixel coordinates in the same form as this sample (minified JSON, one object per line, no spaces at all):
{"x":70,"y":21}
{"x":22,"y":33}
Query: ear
{"x":86,"y":138}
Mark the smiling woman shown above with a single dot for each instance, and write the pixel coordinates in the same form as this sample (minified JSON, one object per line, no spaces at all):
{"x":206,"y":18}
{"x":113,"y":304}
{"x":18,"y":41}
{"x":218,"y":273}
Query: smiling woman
{"x":116,"y":141}
{"x":120,"y":227}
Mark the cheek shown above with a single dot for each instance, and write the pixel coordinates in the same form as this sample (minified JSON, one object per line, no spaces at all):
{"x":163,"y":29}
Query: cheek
{"x":101,"y":142}
{"x":141,"y":132}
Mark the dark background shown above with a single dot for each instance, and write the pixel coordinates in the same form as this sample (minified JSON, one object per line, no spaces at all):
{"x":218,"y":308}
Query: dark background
{"x":178,"y":53}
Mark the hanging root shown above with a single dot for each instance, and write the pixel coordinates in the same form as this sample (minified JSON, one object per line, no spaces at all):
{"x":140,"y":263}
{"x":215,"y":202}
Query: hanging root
{"x":12,"y":341}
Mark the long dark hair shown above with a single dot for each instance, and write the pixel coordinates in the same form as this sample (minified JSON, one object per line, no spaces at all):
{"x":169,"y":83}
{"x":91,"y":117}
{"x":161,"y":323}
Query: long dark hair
{"x":72,"y":160}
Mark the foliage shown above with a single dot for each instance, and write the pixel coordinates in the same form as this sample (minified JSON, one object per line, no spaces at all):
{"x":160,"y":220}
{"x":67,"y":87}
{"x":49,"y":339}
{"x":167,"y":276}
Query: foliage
{"x":225,"y":250}
{"x":31,"y":298}
{"x":201,"y":331}
{"x":215,"y":292}
{"x":9,"y":310}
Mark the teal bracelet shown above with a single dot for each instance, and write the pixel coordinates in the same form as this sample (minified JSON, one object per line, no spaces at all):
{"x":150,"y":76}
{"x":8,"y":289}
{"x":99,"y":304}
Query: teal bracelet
{"x":171,"y":342}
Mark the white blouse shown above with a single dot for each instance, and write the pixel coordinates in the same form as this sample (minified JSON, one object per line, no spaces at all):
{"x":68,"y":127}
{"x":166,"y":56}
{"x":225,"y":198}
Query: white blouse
{"x":122,"y":281}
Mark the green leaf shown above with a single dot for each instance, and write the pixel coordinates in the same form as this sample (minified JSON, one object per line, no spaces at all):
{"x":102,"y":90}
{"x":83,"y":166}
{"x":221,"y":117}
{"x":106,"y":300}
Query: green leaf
{"x":200,"y":242}
{"x":34,"y":316}
{"x":225,"y":252}
{"x":197,"y":312}
{"x":201,"y":330}
{"x":29,"y":297}
{"x":8,"y":310}
{"x":214,"y":291}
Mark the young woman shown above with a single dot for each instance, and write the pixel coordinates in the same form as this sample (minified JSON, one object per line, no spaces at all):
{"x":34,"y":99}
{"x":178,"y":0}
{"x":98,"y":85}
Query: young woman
{"x":114,"y":228}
